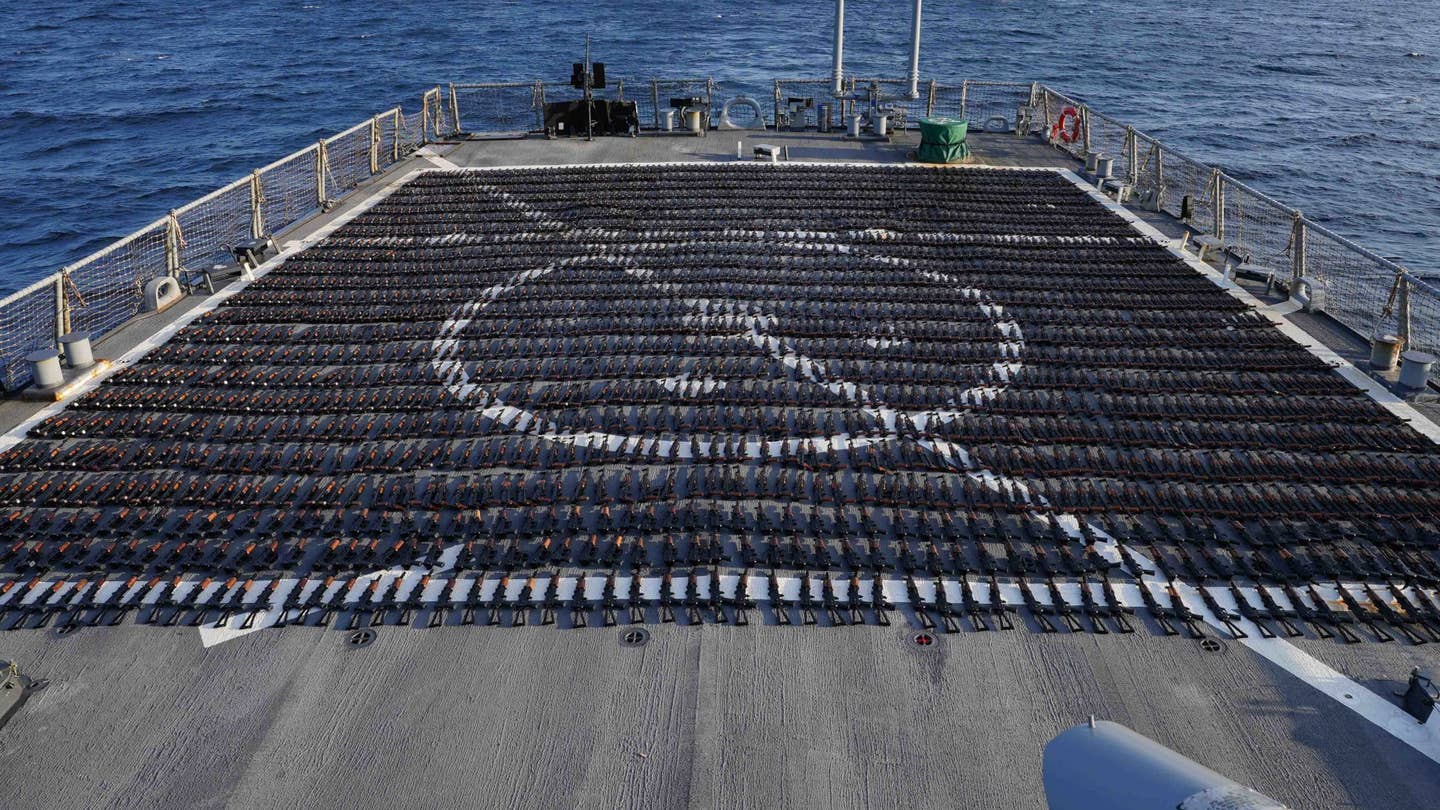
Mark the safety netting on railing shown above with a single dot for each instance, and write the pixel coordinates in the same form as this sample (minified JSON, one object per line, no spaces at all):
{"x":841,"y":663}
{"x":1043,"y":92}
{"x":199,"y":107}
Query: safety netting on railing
{"x":347,"y":161}
{"x":993,"y":105}
{"x":106,"y":290}
{"x":288,"y":188}
{"x":793,"y":94}
{"x":1109,"y":137}
{"x":436,"y":119}
{"x":27,"y":322}
{"x":494,"y":108}
{"x":210,"y":226}
{"x":653,"y":98}
{"x":412,"y":132}
{"x":893,"y":95}
{"x":1423,"y":310}
{"x":1355,"y":283}
{"x":946,"y":100}
{"x":103,"y":291}
{"x":551,"y":92}
{"x":1259,"y":230}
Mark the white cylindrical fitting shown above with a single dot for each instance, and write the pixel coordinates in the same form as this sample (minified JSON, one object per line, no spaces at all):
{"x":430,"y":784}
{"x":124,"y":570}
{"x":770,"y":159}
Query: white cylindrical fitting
{"x":882,"y":125}
{"x":1104,"y":167}
{"x":1092,"y":161}
{"x":1415,"y":368}
{"x":822,"y":117}
{"x":667,"y":120}
{"x":855,"y":122}
{"x":77,"y":350}
{"x":45,"y":368}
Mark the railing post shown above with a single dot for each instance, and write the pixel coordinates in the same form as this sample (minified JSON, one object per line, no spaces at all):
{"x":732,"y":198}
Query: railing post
{"x":964,"y":96}
{"x":1132,"y":157}
{"x":655,"y":101}
{"x":62,"y":307}
{"x":538,"y":93}
{"x":1403,"y":327}
{"x":1297,"y":247}
{"x":930,"y":100}
{"x":257,"y":206}
{"x":424,"y":118}
{"x":375,"y":146}
{"x":777,"y":104}
{"x":395,"y":140}
{"x":454,"y":109}
{"x":1159,"y":177}
{"x":1217,"y":195}
{"x":322,"y":167}
{"x":1045,"y":114}
{"x":174,"y":240}
{"x":1085,"y":127}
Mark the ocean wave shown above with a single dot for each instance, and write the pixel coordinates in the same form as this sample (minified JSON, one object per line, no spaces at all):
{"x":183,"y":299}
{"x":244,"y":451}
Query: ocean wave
{"x":1293,"y":69}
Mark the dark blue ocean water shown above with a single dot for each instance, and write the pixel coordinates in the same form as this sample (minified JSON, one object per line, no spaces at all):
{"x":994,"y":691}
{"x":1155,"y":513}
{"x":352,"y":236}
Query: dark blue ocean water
{"x":113,"y":112}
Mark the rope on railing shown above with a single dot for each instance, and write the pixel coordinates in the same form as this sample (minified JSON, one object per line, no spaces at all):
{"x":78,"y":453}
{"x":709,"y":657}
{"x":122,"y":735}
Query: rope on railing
{"x":257,"y":205}
{"x":174,"y":243}
{"x":322,"y":168}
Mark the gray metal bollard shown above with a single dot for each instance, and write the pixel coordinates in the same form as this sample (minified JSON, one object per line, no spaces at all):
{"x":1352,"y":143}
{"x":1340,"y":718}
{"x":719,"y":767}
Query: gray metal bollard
{"x":1384,"y":352}
{"x":1104,"y":168}
{"x":77,"y":350}
{"x":822,"y":117}
{"x":1415,"y":368}
{"x":882,"y":126}
{"x":45,"y":367}
{"x":855,"y":122}
{"x":1091,"y":161}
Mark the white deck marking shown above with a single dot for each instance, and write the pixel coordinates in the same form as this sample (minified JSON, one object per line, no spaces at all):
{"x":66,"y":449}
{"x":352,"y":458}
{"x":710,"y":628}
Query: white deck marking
{"x":429,"y":153}
{"x":752,"y":323}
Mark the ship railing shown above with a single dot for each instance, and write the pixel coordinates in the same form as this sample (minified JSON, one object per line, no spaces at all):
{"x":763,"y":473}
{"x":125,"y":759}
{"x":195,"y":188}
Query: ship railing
{"x":652,"y":97}
{"x":516,"y":108}
{"x":1367,"y":293}
{"x":104,"y":290}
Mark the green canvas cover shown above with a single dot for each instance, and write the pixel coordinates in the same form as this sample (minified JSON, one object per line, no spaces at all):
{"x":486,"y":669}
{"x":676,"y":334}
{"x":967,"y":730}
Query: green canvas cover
{"x":942,"y":140}
{"x":943,"y":131}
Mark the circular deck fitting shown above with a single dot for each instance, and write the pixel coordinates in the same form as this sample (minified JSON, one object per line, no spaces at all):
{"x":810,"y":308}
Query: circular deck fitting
{"x":634,"y":637}
{"x":1212,"y":645}
{"x":360,"y":638}
{"x":64,"y":630}
{"x":925,"y":641}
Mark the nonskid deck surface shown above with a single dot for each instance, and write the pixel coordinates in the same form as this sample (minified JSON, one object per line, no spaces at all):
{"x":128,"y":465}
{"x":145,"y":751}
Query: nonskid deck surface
{"x":691,"y":389}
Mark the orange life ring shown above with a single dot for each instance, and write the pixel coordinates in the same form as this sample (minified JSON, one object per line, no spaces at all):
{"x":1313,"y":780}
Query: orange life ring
{"x":1069,"y":134}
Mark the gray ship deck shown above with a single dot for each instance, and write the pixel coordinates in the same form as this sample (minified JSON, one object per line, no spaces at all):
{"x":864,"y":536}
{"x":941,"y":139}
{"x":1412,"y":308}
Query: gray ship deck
{"x":704,"y":714}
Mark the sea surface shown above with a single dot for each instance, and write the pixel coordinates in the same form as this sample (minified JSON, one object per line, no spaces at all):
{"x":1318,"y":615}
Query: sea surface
{"x":111,"y":113}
